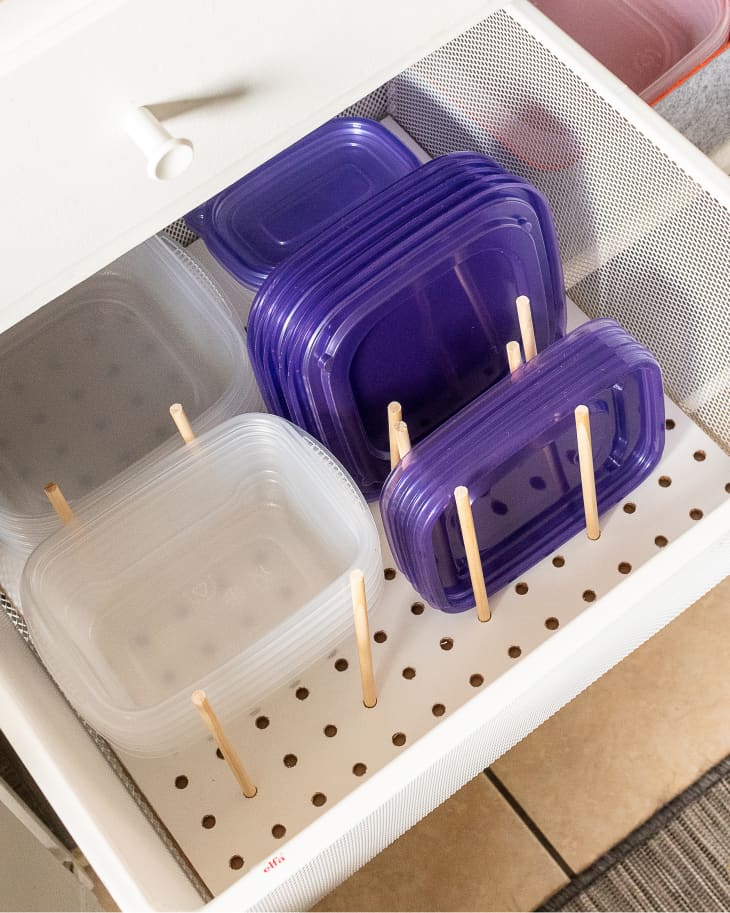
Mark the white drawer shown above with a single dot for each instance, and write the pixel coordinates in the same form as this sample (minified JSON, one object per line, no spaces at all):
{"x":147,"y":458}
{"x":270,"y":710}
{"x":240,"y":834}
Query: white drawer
{"x":644,"y":223}
{"x":239,"y":80}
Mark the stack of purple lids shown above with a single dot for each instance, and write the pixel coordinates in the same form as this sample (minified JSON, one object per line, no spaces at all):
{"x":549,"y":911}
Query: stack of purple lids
{"x":255,"y":224}
{"x":514,"y":447}
{"x":409,"y":297}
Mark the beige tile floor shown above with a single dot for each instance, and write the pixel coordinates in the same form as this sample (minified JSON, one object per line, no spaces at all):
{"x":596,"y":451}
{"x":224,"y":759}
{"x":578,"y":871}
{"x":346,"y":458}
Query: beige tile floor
{"x":460,"y":857}
{"x":585,"y":778}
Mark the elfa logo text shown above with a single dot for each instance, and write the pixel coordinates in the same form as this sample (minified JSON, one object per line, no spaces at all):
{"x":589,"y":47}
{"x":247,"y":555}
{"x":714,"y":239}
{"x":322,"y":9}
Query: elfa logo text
{"x":272,"y":863}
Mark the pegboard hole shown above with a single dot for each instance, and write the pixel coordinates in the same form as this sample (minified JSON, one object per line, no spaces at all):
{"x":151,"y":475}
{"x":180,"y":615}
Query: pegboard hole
{"x":696,"y":513}
{"x":359,"y":769}
{"x":669,"y":424}
{"x":476,"y":680}
{"x":262,"y":722}
{"x":629,"y":507}
{"x":341,"y":664}
{"x":558,"y":561}
{"x":208,"y":821}
{"x":409,"y":672}
{"x":181,"y":782}
{"x":438,"y":710}
{"x":699,"y":455}
{"x":624,"y":567}
{"x":727,"y":488}
{"x":290,"y":760}
{"x":380,"y":637}
{"x":301,"y":694}
{"x":417,"y":608}
{"x":236,"y":862}
{"x":219,"y":754}
{"x":661,"y":541}
{"x":589,"y":596}
{"x":330,"y":731}
{"x":521,"y":589}
{"x":389,"y":573}
{"x":278,"y":831}
{"x":514,"y":652}
{"x":446,"y":643}
{"x":319,"y":799}
{"x":665,"y":481}
{"x":552,"y":623}
{"x":399,"y":739}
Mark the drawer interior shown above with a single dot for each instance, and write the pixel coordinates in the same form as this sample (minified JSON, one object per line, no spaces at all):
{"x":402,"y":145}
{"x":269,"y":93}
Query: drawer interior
{"x":642,"y":242}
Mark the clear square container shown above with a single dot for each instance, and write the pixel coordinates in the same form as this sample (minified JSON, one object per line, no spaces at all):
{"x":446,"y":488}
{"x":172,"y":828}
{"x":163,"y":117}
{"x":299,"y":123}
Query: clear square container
{"x":223,"y":566}
{"x":88,"y":381}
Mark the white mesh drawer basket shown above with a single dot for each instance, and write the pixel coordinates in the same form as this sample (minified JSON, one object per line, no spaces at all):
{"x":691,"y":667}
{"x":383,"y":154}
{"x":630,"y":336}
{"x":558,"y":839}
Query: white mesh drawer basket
{"x":644,"y":226}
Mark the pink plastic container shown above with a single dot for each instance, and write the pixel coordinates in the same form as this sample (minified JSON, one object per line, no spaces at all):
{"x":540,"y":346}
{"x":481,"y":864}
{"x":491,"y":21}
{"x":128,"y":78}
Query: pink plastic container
{"x":648,"y":44}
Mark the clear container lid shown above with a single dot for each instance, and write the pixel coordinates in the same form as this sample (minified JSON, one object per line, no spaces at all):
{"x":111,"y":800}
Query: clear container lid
{"x":222,"y":566}
{"x":88,"y":381}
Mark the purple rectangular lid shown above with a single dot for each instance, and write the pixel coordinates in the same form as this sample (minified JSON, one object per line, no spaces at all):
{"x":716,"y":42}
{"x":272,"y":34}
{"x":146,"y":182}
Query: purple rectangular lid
{"x":256,"y":223}
{"x":514,"y":447}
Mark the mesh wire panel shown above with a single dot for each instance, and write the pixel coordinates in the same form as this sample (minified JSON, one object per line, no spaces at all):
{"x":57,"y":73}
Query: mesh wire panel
{"x":641,"y":241}
{"x":374,"y":105}
{"x":180,"y":233}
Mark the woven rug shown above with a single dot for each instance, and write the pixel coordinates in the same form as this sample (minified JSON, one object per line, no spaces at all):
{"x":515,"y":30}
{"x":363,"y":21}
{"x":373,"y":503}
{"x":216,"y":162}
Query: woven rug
{"x":678,"y":860}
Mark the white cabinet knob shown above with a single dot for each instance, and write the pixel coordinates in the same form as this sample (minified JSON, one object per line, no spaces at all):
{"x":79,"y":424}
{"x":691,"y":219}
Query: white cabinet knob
{"x":167,"y":156}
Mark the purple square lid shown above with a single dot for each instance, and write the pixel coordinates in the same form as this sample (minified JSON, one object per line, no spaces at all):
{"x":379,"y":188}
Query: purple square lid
{"x":256,"y":223}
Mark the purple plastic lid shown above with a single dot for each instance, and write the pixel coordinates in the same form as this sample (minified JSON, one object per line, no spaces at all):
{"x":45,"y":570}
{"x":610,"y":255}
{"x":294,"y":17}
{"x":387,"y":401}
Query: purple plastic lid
{"x":515,"y":449}
{"x":309,"y":306}
{"x":256,"y":223}
{"x":431,"y":333}
{"x":336,"y":253}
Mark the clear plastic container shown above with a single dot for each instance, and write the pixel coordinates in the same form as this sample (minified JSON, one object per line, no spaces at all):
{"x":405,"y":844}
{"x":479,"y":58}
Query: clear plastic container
{"x":89,"y":379}
{"x":222,"y":566}
{"x":649,"y":44}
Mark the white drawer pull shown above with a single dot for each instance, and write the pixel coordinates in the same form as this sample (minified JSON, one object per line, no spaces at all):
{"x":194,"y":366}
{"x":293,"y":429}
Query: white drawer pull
{"x":167,"y":156}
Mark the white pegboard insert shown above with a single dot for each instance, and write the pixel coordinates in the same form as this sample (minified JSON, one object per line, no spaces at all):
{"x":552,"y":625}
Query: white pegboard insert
{"x":312,"y":743}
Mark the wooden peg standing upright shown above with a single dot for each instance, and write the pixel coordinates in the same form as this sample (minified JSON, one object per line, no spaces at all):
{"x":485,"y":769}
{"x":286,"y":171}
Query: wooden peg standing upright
{"x":587,"y":475}
{"x":395,"y":415}
{"x":473,"y":558}
{"x":59,"y":502}
{"x":181,"y":421}
{"x":524,"y":315}
{"x":404,"y":439}
{"x":514,"y":356}
{"x":234,"y":762}
{"x":362,"y":633}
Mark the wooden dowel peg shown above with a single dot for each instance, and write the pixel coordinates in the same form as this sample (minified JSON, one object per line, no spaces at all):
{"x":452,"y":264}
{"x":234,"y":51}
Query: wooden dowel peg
{"x":181,"y":421}
{"x":524,"y":315}
{"x":587,"y":475}
{"x":473,"y":559}
{"x":234,"y":762}
{"x":395,"y":415}
{"x":362,"y":633}
{"x":404,"y":439}
{"x":59,"y":503}
{"x":514,"y":356}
